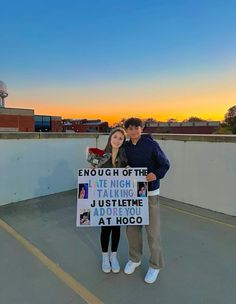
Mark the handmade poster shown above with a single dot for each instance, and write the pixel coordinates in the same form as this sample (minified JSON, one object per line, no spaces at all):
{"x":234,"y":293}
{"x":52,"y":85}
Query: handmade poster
{"x":112,"y":196}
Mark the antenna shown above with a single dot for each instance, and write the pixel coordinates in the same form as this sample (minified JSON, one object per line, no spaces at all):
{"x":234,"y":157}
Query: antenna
{"x":3,"y":94}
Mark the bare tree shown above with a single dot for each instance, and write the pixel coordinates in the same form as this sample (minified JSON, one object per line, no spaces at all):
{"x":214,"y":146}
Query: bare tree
{"x":230,"y":118}
{"x":193,"y":119}
{"x":120,"y":123}
{"x":172,"y":120}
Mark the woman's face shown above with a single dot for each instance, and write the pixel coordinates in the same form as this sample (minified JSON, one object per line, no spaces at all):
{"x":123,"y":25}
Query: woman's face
{"x":117,"y":140}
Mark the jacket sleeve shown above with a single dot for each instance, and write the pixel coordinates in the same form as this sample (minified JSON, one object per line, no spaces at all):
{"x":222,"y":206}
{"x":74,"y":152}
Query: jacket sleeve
{"x":105,"y":161}
{"x":124,"y":162}
{"x":161,"y":161}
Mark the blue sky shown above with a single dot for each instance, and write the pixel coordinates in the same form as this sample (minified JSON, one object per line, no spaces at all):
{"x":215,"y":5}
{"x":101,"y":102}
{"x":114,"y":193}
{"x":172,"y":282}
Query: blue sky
{"x":74,"y":45}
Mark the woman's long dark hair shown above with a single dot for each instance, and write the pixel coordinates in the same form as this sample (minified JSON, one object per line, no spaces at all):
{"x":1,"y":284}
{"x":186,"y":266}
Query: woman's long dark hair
{"x":121,"y":160}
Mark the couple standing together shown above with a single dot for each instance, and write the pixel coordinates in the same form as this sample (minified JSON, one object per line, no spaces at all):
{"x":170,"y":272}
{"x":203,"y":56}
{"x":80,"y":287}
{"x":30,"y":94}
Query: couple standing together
{"x":138,"y":151}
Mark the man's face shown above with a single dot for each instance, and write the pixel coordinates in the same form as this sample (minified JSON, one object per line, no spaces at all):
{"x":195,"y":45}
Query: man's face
{"x":134,"y":132}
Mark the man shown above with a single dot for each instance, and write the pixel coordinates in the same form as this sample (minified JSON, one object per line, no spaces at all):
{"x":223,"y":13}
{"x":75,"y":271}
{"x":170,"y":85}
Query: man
{"x":143,"y":151}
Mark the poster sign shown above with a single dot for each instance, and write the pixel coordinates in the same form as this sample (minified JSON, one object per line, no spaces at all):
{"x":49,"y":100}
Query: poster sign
{"x":112,"y":196}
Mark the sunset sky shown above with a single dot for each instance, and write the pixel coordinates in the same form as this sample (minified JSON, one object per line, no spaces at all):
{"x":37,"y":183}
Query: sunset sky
{"x":111,"y":59}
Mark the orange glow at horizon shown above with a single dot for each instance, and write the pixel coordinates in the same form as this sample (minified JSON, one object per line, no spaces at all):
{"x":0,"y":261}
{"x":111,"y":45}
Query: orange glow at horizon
{"x":179,"y":111}
{"x":204,"y":96}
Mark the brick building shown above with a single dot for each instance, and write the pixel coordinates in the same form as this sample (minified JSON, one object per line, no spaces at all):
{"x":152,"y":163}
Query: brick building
{"x":16,"y":120}
{"x":24,"y":120}
{"x":45,"y":123}
{"x":85,"y":125}
{"x":201,"y":127}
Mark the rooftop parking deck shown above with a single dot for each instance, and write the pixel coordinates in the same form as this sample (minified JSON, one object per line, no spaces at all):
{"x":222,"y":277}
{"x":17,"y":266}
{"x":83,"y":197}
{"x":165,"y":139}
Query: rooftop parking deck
{"x":46,"y":259}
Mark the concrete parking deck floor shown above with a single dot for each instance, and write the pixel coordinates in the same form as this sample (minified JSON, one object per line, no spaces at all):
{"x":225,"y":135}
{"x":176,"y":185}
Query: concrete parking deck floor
{"x":46,"y":259}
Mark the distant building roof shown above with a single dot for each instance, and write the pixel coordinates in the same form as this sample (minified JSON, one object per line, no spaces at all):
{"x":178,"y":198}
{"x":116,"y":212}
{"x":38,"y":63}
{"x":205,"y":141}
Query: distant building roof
{"x":16,"y":111}
{"x":94,"y":123}
{"x":183,"y":124}
{"x":83,"y":121}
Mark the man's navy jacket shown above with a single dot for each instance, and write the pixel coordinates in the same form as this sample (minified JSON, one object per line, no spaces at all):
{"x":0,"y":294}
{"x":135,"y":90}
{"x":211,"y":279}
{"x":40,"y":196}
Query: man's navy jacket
{"x":147,"y":153}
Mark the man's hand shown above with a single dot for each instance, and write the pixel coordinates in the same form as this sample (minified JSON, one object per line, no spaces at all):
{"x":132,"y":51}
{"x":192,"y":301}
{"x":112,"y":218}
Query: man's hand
{"x":151,"y":177}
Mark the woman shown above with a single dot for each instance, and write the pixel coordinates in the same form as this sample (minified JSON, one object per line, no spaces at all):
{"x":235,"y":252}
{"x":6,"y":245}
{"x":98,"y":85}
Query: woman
{"x":82,"y":193}
{"x":117,"y":159}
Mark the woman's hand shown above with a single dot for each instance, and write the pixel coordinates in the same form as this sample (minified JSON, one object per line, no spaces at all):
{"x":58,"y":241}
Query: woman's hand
{"x":151,"y":177}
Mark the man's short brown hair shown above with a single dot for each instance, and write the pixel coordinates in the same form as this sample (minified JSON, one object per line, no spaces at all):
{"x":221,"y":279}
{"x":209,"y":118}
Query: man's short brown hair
{"x":133,"y":121}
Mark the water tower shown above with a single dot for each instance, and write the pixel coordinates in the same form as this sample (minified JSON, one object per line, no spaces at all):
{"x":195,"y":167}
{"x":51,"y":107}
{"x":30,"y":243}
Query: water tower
{"x":3,"y":93}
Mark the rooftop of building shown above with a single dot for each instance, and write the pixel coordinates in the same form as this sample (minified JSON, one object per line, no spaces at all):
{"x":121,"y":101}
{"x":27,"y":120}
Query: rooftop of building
{"x":46,"y":259}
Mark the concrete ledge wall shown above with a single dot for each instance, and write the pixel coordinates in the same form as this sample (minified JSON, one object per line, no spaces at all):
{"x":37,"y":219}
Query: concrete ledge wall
{"x":202,"y":174}
{"x":35,"y":167}
{"x":203,"y":168}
